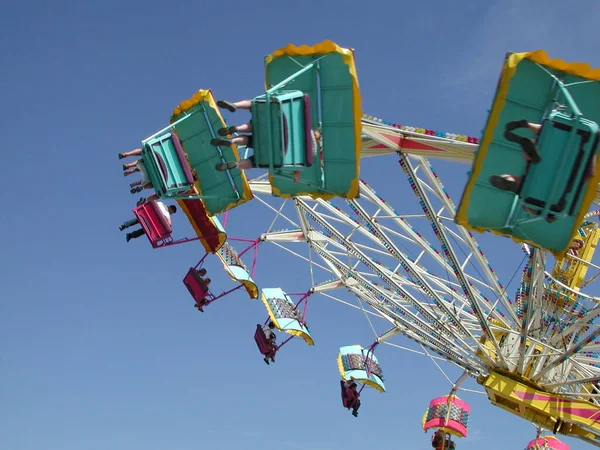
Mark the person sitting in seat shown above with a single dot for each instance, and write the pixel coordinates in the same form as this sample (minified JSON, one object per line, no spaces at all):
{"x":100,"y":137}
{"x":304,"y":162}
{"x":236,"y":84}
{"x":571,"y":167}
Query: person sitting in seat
{"x":512,"y":183}
{"x":247,"y":139}
{"x":270,"y":335}
{"x":155,"y":197}
{"x":145,"y":183}
{"x":352,"y":395}
{"x":166,"y":211}
{"x":203,"y":301}
{"x":441,"y":441}
{"x":136,"y":166}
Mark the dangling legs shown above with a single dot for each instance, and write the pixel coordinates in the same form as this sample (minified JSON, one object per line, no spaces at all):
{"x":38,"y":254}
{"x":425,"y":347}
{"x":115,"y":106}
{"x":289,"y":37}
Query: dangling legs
{"x":270,"y":354}
{"x":273,"y":351}
{"x":128,"y":224}
{"x":535,"y":128}
{"x":142,"y":200}
{"x":233,"y":107}
{"x":129,"y":172}
{"x":238,"y":140}
{"x":135,"y":234}
{"x":511,"y":183}
{"x":355,"y":408}
{"x":506,"y":182}
{"x":526,"y":144}
{"x":243,"y":164}
{"x":136,"y":152}
{"x":135,"y":190}
{"x":244,"y":128}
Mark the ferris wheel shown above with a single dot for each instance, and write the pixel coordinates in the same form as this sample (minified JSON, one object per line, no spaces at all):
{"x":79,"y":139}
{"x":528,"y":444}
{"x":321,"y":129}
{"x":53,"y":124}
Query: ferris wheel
{"x":413,"y":269}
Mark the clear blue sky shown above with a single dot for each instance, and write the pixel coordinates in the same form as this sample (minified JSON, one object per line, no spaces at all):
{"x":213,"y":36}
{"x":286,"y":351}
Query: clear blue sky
{"x":101,"y":347}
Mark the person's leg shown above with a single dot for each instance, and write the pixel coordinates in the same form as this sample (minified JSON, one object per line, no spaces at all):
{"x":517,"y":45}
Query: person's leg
{"x":129,"y":172}
{"x":128,"y":224}
{"x":136,"y":188}
{"x":506,"y":182}
{"x":527,"y":145}
{"x":151,"y":198}
{"x":241,"y":140}
{"x":135,"y":183}
{"x":268,"y":354}
{"x":135,"y":234}
{"x":234,"y":106}
{"x":136,"y":152}
{"x":238,"y":140}
{"x":243,"y":104}
{"x":244,"y":128}
{"x":535,"y":128}
{"x":130,"y":165}
{"x":273,"y":350}
{"x":243,"y":164}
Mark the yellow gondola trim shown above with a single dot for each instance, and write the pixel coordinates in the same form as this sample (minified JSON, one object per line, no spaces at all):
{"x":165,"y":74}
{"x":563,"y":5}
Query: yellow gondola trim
{"x":348,"y":59}
{"x":222,"y":236}
{"x":206,"y":96}
{"x":446,"y":430}
{"x":362,"y":380}
{"x":250,"y":286}
{"x":305,"y":336}
{"x":582,"y":70}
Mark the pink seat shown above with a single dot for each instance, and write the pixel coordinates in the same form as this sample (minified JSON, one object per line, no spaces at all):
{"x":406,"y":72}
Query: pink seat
{"x":349,"y":399}
{"x":264,"y":346}
{"x":459,"y":417}
{"x":195,"y":285}
{"x":153,"y":223}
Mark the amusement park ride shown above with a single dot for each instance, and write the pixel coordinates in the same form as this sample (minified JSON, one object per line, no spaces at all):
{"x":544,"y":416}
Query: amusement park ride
{"x":534,"y":178}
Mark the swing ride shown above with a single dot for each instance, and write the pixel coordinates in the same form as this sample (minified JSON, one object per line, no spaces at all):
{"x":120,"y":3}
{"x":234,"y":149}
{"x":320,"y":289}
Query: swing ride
{"x":418,"y":272}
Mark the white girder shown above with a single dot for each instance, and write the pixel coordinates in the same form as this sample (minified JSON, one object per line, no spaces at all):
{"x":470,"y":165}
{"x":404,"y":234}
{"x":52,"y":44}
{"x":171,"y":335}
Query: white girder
{"x":433,"y":284}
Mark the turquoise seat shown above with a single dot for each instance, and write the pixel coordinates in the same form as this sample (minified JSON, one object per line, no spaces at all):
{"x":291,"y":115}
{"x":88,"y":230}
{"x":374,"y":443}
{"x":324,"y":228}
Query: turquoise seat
{"x":361,"y":364}
{"x":285,"y":141}
{"x":166,"y":164}
{"x":237,"y":269}
{"x":555,"y":184}
{"x":196,"y":121}
{"x":284,"y":314}
{"x":326,"y":75}
{"x":555,"y":191}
